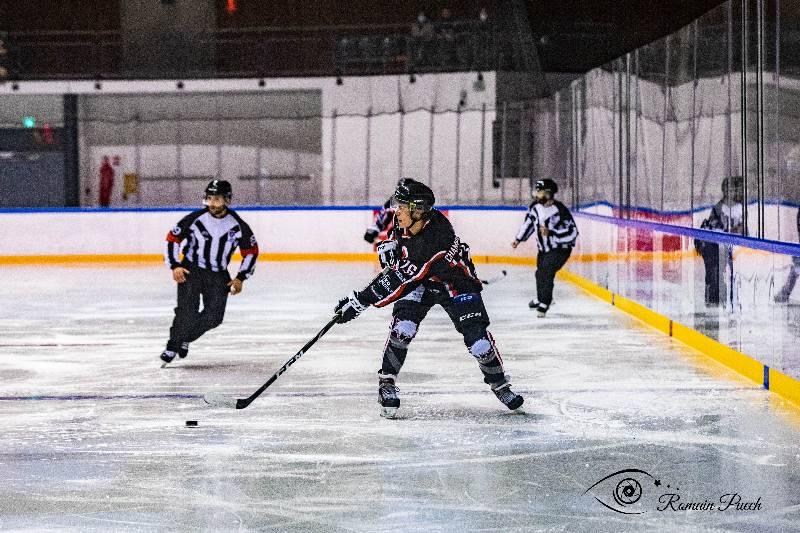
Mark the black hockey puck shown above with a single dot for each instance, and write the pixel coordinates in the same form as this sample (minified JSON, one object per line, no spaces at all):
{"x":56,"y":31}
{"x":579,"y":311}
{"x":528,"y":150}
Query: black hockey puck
{"x":191,"y":422}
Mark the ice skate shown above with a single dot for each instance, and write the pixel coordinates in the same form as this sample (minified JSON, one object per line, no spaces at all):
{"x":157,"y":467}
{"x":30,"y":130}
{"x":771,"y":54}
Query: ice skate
{"x":509,"y":398}
{"x":183,"y":351}
{"x":387,"y":397}
{"x":167,"y":356}
{"x":540,"y":308}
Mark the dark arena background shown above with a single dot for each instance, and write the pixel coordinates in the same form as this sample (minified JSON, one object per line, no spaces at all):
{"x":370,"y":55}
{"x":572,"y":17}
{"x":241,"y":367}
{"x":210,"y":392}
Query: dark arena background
{"x":661,"y":386}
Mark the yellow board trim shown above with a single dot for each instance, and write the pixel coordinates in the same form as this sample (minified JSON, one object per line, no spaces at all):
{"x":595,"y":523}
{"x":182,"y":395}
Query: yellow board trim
{"x":639,"y":255}
{"x":317,"y":257}
{"x":155,"y":258}
{"x":741,"y":363}
{"x":505,"y":259}
{"x":646,"y":315}
{"x":780,"y":384}
{"x":595,"y":290}
{"x":83,"y":258}
{"x":267,"y":256}
{"x":784,"y":386}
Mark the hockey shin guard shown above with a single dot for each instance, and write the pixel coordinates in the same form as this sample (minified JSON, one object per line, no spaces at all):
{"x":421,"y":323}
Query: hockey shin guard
{"x":394,"y":353}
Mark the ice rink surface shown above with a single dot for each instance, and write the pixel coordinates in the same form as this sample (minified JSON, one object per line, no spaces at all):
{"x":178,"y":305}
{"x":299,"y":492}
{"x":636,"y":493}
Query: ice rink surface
{"x":94,"y":437}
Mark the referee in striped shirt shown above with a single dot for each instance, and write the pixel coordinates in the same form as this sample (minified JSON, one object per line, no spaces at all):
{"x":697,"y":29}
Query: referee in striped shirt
{"x":556,"y":233}
{"x":207,"y":239}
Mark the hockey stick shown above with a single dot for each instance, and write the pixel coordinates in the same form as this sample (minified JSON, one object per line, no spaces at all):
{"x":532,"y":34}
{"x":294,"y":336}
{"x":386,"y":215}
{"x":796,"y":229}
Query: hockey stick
{"x":219,"y":400}
{"x":501,"y":276}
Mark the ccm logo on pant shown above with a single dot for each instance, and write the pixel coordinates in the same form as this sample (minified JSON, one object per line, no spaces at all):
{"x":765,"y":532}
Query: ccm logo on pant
{"x":469,"y":315}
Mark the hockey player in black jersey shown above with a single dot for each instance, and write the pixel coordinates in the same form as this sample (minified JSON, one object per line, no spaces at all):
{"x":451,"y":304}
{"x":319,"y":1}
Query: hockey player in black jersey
{"x":555,"y":232}
{"x":207,"y":238}
{"x":428,"y":265}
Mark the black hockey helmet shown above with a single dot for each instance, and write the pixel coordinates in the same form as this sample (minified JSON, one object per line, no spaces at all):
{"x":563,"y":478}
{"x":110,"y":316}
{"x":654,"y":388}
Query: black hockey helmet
{"x":415,"y":194}
{"x":547,"y":185}
{"x":219,"y":188}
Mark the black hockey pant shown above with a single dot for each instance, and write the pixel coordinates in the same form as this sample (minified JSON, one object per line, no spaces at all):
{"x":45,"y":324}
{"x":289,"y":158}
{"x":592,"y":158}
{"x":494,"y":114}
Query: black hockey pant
{"x":190,"y":323}
{"x":469,"y":317}
{"x":710,"y":253}
{"x":547,"y":264}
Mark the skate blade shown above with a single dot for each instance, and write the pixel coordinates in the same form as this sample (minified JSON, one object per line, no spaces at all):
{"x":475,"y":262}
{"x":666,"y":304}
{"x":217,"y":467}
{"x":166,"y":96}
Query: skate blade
{"x":389,"y":412}
{"x":164,"y":365}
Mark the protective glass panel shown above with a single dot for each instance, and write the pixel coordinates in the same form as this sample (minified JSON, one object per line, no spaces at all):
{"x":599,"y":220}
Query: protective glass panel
{"x":745,"y":297}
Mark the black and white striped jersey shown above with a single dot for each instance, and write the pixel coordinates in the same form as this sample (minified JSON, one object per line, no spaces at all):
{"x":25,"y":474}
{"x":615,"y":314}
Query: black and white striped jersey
{"x":725,"y":216}
{"x":208,"y":242}
{"x":562,"y":231}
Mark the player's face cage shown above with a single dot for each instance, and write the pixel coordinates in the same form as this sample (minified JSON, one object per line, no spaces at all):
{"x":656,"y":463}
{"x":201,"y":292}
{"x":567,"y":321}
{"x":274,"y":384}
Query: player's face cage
{"x":411,"y":207}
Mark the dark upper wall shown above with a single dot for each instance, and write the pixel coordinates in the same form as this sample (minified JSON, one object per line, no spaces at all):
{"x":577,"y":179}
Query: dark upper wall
{"x":572,"y":36}
{"x":37,"y":15}
{"x":343,"y":12}
{"x":29,"y":15}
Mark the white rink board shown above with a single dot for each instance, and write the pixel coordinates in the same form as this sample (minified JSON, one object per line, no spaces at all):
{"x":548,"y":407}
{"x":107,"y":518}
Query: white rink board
{"x":488,"y":231}
{"x":309,"y":231}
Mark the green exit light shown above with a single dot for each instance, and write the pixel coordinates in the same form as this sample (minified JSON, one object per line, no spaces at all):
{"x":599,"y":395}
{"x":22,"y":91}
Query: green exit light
{"x":29,"y":122}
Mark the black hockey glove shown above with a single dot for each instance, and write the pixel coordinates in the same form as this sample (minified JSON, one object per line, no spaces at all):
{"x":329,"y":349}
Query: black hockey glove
{"x":349,"y":308}
{"x":370,"y":235}
{"x":387,"y":254}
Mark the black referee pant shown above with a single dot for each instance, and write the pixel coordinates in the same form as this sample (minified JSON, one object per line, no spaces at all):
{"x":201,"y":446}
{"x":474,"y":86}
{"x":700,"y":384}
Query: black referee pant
{"x":190,"y":323}
{"x":547,"y":264}
{"x":710,"y":254}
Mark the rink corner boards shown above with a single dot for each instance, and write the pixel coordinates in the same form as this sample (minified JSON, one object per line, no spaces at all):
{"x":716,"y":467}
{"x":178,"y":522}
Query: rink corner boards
{"x":777,"y":382}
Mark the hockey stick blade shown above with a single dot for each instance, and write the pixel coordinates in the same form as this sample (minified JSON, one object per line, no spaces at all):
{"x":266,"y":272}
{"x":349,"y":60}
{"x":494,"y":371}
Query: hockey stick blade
{"x":219,"y":400}
{"x":495,"y":279}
